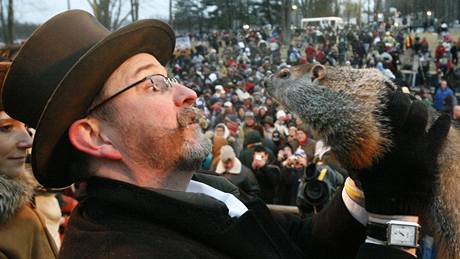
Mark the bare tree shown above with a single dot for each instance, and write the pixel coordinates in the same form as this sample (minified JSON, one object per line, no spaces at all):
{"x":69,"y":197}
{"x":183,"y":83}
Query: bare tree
{"x":109,"y":12}
{"x":135,"y":10}
{"x":7,"y":20}
{"x":286,"y":6}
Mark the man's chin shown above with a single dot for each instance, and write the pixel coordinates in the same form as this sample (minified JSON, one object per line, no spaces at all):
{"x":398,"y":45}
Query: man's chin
{"x":194,"y":151}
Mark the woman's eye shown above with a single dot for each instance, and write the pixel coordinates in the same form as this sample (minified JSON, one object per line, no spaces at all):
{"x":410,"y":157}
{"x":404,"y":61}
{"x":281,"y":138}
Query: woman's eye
{"x":6,"y":128}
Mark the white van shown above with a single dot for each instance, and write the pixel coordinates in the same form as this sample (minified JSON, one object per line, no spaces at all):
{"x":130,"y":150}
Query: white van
{"x":322,"y":22}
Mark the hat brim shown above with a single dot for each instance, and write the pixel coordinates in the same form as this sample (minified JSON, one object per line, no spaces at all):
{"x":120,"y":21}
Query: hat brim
{"x":77,"y":90}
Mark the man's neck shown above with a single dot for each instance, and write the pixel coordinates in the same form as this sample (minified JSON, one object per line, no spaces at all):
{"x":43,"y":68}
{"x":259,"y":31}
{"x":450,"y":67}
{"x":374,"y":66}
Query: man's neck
{"x":149,"y":178}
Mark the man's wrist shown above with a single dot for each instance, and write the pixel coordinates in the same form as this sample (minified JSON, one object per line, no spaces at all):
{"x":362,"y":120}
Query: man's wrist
{"x":385,"y":219}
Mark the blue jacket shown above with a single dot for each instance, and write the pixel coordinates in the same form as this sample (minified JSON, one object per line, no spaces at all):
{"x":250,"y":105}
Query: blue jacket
{"x":440,"y":96}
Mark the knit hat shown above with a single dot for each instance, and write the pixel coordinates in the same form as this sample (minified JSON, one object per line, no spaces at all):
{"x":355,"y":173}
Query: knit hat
{"x":280,"y":115}
{"x":226,"y":153}
{"x":252,"y":137}
{"x":269,"y":120}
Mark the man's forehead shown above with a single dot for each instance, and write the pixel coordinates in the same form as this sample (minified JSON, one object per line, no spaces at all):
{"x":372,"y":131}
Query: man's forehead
{"x":134,"y":68}
{"x":139,"y":62}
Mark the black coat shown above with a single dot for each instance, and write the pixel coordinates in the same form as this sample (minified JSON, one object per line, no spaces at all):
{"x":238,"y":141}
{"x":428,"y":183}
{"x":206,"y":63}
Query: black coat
{"x":119,"y":220}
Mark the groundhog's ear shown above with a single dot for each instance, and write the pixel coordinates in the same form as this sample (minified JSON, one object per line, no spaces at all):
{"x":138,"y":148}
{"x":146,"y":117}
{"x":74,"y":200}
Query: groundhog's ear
{"x":318,"y":71}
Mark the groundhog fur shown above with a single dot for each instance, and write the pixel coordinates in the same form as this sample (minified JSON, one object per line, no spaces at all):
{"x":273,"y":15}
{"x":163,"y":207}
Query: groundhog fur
{"x":344,"y":108}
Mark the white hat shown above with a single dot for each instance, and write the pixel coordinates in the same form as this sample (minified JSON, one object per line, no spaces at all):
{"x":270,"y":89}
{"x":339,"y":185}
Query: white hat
{"x":218,"y":87}
{"x":226,"y":153}
{"x":228,"y":104}
{"x":280,"y":115}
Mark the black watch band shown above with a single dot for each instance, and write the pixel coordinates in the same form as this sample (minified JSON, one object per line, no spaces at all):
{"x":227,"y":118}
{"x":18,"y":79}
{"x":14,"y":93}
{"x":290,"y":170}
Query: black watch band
{"x":377,"y":231}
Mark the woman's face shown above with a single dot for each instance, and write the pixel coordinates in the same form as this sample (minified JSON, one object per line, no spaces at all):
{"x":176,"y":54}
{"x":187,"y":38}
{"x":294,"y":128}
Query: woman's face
{"x":15,"y":140}
{"x":220,"y":132}
{"x":301,"y":136}
{"x":241,"y":112}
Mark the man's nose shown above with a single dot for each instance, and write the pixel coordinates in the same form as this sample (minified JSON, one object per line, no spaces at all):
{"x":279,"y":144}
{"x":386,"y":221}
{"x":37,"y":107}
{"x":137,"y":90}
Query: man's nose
{"x":184,"y":96}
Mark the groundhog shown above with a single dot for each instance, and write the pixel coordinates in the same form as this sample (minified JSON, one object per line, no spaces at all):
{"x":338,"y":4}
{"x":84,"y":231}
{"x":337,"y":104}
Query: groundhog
{"x":344,"y":107}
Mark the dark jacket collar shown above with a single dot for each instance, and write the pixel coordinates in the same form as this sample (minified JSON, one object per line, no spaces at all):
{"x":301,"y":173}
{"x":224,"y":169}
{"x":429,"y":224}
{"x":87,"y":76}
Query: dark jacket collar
{"x":161,"y":205}
{"x":196,"y":215}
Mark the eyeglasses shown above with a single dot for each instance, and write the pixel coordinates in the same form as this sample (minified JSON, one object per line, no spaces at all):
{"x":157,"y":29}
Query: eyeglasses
{"x":158,"y":83}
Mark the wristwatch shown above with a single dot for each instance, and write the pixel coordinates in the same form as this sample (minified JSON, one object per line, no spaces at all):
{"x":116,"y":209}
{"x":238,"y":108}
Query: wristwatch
{"x":395,"y":233}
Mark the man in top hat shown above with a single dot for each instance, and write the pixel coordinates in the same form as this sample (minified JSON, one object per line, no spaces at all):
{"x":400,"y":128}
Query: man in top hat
{"x":105,"y":112}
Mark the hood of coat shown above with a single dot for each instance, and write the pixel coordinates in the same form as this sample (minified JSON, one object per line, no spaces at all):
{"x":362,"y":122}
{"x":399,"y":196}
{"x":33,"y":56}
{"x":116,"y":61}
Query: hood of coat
{"x":14,"y":193}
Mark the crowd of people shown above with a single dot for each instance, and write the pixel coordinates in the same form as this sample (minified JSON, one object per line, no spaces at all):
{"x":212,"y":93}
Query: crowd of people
{"x":227,"y":69}
{"x":148,"y":163}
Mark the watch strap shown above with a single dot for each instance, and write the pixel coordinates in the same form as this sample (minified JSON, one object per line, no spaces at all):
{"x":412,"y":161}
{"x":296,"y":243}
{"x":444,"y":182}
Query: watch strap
{"x":377,"y":231}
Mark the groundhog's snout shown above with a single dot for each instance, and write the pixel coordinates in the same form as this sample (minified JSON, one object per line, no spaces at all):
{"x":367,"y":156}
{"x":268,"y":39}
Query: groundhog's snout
{"x":284,"y":73}
{"x":275,"y":80}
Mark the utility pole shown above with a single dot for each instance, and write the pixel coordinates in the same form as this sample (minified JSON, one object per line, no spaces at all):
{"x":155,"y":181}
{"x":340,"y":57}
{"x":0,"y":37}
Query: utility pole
{"x":68,"y":4}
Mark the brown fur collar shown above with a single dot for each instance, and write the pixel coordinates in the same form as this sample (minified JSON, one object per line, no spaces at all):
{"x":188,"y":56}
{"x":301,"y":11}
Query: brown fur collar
{"x":14,"y":193}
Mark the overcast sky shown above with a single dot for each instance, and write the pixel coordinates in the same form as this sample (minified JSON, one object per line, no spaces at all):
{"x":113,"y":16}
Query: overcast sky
{"x":39,"y":11}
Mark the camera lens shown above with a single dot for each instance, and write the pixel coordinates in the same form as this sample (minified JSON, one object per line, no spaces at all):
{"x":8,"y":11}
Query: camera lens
{"x":315,"y":191}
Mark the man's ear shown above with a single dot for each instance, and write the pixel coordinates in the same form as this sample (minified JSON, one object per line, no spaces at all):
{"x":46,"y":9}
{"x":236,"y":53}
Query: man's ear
{"x":86,"y":136}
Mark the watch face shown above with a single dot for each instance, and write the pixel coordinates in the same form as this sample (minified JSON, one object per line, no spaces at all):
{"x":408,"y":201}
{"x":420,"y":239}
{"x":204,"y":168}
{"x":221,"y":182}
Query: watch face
{"x":402,"y":235}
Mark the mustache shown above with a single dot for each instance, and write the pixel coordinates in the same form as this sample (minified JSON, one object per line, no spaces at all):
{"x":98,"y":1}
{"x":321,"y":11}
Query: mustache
{"x":188,"y":116}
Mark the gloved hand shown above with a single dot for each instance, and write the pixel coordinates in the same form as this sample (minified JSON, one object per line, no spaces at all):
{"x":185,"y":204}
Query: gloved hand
{"x":402,"y":181}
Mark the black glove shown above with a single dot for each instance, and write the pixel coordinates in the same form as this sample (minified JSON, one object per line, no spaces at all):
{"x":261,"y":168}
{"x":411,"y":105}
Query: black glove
{"x":402,"y":181}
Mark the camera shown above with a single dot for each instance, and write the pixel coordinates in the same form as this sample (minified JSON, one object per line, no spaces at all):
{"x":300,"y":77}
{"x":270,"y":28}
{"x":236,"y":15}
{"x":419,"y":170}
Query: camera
{"x":317,"y":188}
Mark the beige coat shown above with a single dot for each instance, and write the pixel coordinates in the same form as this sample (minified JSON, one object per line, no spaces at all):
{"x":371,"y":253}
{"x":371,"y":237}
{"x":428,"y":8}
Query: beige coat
{"x":23,"y":231}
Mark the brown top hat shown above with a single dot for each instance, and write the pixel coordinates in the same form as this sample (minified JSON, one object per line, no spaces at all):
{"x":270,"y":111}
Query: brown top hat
{"x":60,"y":70}
{"x":4,"y":66}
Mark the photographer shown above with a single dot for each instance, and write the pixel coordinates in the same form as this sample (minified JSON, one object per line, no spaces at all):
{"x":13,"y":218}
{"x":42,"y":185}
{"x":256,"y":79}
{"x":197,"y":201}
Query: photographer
{"x":267,"y":174}
{"x":291,"y":169}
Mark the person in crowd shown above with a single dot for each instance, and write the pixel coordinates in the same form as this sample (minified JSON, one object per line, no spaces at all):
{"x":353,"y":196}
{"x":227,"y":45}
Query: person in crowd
{"x":291,"y":170}
{"x":280,"y":123}
{"x":306,"y":143}
{"x":292,"y":137}
{"x":253,"y":139}
{"x":23,"y":231}
{"x":222,"y":130}
{"x":267,"y":174}
{"x":269,"y":128}
{"x":99,"y":128}
{"x":231,"y":168}
{"x":250,"y":124}
{"x":217,"y":143}
{"x":444,"y":98}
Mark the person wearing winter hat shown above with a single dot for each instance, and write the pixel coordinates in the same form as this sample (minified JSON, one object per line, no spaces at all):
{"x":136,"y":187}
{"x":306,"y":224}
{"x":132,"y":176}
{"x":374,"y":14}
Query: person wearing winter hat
{"x":250,"y":124}
{"x":231,"y":168}
{"x":268,"y":127}
{"x":280,"y":123}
